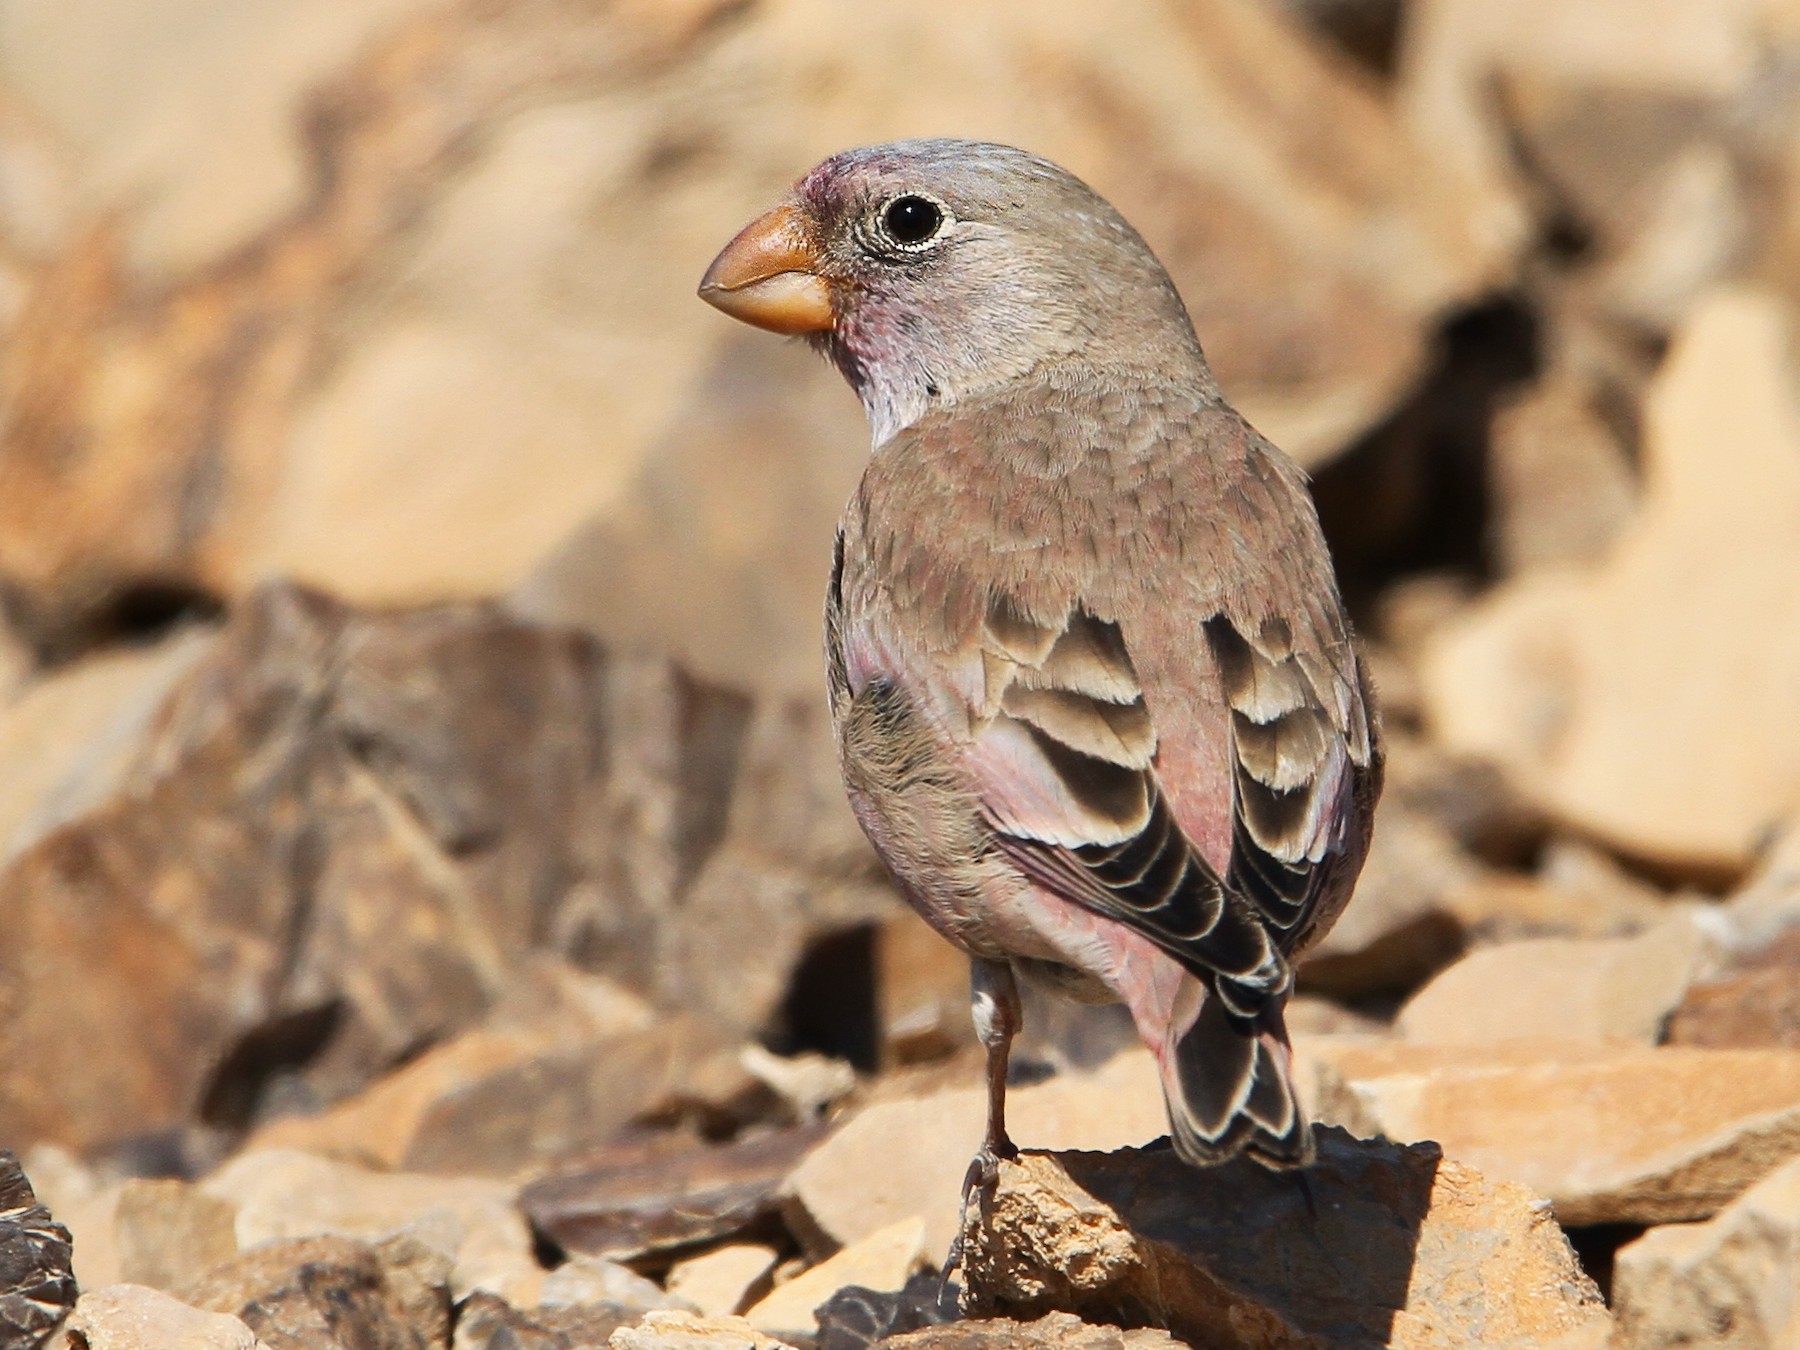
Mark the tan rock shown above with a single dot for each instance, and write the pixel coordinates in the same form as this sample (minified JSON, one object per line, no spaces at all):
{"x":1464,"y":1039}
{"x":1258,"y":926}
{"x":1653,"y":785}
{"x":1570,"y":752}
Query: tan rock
{"x":69,"y":738}
{"x":136,"y":1317}
{"x":1399,"y":1247}
{"x":689,"y":1331}
{"x":922,"y":984}
{"x":286,"y":1196}
{"x":168,"y":1232}
{"x":331,"y":1290}
{"x":1595,"y":989}
{"x":365,"y":346}
{"x":1731,"y":1281}
{"x":1691,"y":626}
{"x":725,"y":1280}
{"x":903,"y":1159}
{"x":1610,"y":1135}
{"x":883,"y":1261}
{"x":1562,"y":484}
{"x":486,"y":1322}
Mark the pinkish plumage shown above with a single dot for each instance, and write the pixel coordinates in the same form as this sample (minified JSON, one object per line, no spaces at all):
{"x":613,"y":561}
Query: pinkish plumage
{"x":1098,"y":705}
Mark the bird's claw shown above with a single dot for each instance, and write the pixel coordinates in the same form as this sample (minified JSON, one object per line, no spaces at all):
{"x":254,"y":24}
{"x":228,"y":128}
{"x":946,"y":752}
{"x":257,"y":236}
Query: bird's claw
{"x":983,"y":1179}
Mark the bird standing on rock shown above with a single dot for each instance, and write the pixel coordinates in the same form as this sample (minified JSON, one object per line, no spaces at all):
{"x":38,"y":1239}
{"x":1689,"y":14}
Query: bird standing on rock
{"x":1097,"y":701}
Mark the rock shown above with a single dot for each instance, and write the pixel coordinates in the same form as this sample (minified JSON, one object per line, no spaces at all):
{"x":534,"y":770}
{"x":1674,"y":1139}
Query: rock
{"x":486,"y":1322}
{"x":1400,"y":1246}
{"x":1691,"y":625}
{"x":1755,"y":1002}
{"x":922,"y":988}
{"x":638,"y":1198}
{"x":1594,"y":989}
{"x":70,"y":735}
{"x":906,"y":1158}
{"x":1729,"y":1281}
{"x":1769,"y":903}
{"x":1054,"y":1331}
{"x":1563,"y":486}
{"x":37,"y":1285}
{"x":339,"y":843}
{"x":330,"y":1291}
{"x":1609,"y":1134}
{"x":368,"y":312}
{"x":883,"y":1261}
{"x":725,"y":1280}
{"x":689,"y":1331}
{"x":284,"y":1196}
{"x":586,"y":1279}
{"x":807,"y":1084}
{"x":168,"y":1232}
{"x":135,"y":1317}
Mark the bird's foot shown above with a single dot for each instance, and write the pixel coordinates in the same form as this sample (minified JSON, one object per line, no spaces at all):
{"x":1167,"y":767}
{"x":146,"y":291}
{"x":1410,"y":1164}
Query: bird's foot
{"x":983,"y":1180}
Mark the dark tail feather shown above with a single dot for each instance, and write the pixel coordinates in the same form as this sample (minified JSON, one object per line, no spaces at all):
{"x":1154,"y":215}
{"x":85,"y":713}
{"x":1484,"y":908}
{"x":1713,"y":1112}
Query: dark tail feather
{"x":1229,"y":1090}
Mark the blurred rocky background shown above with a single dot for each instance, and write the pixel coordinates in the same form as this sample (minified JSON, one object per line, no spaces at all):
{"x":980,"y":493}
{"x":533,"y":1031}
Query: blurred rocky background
{"x":428,"y":914}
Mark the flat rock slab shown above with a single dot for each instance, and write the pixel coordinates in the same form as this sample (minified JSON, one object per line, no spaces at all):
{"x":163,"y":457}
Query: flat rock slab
{"x":628,"y":1201}
{"x":1382,"y":1245}
{"x":1731,"y":1281}
{"x":1056,"y":1331}
{"x":1610,"y":1135}
{"x":137,"y":1317}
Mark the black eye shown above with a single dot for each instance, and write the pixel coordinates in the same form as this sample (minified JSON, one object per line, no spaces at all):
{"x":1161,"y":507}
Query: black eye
{"x":912,"y":220}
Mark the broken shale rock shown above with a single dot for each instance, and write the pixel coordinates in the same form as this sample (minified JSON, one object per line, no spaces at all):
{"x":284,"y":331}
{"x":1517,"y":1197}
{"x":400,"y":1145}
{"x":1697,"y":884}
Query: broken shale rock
{"x":37,"y":1284}
{"x":1382,"y":1245}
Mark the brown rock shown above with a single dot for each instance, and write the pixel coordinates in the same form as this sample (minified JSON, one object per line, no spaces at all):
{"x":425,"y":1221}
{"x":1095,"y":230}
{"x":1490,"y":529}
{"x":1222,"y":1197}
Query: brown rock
{"x":633,"y":1199}
{"x":1610,"y":1135}
{"x":1689,"y":627}
{"x":37,"y":1286}
{"x":882,"y":1262}
{"x":328,"y":1292}
{"x":367,"y":312}
{"x":135,"y":1317}
{"x":1730,"y":1281}
{"x":1054,"y":1331}
{"x":1756,"y":1002}
{"x":486,"y":1322}
{"x":346,"y":835}
{"x":168,"y":1232}
{"x":470,"y":1221}
{"x":1595,"y":989}
{"x":687,"y":1331}
{"x":725,"y":1280}
{"x":1562,"y":483}
{"x":1399,"y":1247}
{"x":905,"y":1158}
{"x":922,"y":987}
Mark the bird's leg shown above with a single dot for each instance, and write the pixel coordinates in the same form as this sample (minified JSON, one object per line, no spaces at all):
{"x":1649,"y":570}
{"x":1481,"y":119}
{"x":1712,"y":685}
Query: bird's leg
{"x":995,"y":998}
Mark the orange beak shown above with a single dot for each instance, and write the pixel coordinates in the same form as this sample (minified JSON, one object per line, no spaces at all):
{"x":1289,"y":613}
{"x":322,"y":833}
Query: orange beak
{"x":768,"y":276}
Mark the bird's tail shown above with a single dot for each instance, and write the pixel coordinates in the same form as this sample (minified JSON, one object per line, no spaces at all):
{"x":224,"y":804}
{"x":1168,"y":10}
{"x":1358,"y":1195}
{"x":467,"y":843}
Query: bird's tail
{"x":1229,"y":1085}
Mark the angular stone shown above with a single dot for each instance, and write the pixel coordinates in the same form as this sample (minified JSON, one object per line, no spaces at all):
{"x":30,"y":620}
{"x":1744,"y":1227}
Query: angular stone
{"x":725,"y":1280}
{"x":70,"y":736}
{"x":883,"y":1262}
{"x":1609,"y":694}
{"x":487,"y":1322}
{"x":632,"y":1200}
{"x":332,"y":1291}
{"x":1731,"y":1281}
{"x":1053,"y":1331}
{"x":1755,"y":1002}
{"x":1610,"y":1135}
{"x":905,"y":1158}
{"x":169,"y":1232}
{"x":1562,"y":483}
{"x":922,"y":987}
{"x":284,"y":1196}
{"x":37,"y":1285}
{"x":136,"y":1317}
{"x":1399,"y":1246}
{"x":1595,"y":989}
{"x":689,"y":1331}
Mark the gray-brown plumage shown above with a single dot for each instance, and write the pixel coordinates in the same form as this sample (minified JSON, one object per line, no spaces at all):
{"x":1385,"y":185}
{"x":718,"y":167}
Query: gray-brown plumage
{"x":1097,"y":701}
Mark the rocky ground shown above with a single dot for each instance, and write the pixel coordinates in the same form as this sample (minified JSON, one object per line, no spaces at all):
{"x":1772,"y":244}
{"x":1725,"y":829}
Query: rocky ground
{"x":428,"y":913}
